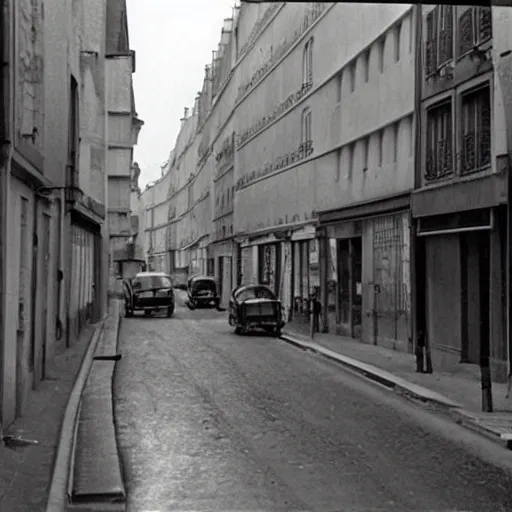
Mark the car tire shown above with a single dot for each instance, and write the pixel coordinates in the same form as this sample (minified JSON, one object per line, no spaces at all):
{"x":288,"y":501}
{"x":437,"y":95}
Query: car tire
{"x":128,"y":312}
{"x":276,"y":332}
{"x":238,"y":330}
{"x":148,"y":312}
{"x":170,"y":311}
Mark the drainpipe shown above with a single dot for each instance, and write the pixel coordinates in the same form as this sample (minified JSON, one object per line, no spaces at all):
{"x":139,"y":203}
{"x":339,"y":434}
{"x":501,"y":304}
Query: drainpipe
{"x":60,"y":276}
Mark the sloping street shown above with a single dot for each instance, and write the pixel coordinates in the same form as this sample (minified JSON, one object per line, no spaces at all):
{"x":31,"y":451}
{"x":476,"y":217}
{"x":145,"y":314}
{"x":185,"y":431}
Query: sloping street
{"x":208,"y":420}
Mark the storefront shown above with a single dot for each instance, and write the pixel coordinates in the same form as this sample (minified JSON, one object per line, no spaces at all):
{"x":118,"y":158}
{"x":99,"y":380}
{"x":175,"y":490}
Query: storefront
{"x":305,"y":280}
{"x":461,"y":274}
{"x":365,"y":267}
{"x":221,"y":254}
{"x":84,"y":283}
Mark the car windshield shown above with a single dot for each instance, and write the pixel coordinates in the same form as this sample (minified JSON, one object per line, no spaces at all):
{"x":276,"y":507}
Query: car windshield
{"x":150,"y":282}
{"x":204,"y":285}
{"x":255,"y":293}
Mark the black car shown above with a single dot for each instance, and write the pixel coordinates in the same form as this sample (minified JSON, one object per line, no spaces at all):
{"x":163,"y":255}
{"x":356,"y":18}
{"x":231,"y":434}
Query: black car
{"x":255,"y":306}
{"x":149,"y":292}
{"x":202,"y":291}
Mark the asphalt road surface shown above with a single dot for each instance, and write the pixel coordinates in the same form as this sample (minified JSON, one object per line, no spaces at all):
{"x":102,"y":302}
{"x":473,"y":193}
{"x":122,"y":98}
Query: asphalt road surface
{"x":208,"y":420}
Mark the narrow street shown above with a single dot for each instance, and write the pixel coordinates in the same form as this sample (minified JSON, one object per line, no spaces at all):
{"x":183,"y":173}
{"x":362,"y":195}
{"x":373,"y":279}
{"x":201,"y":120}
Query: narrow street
{"x":208,"y":420}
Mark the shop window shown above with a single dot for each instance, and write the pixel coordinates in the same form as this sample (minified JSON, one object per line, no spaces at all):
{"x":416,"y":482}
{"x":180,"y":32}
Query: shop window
{"x":476,"y":130}
{"x":269,"y":257}
{"x":439,"y":141}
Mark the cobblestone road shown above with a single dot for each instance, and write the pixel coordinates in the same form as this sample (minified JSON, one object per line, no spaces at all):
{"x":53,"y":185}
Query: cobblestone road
{"x":208,"y":420}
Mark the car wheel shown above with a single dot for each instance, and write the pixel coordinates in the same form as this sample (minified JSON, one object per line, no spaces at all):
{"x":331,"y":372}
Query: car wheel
{"x":239,"y":330}
{"x":128,"y":312}
{"x":148,"y":312}
{"x":170,"y":311}
{"x":277,"y":332}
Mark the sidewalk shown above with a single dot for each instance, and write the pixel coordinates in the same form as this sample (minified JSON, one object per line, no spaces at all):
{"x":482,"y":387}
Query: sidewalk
{"x":26,"y":471}
{"x":459,"y":392}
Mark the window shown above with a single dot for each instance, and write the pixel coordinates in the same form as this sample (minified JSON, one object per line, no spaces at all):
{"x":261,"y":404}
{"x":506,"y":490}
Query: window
{"x":367,"y":65}
{"x":339,"y":84}
{"x":382,"y":46}
{"x":475,"y":27}
{"x":445,"y":38}
{"x":353,"y":69}
{"x":306,"y":126}
{"x":398,"y":33}
{"x":476,"y":130}
{"x":351,"y":151}
{"x":396,"y":135}
{"x":307,"y":63}
{"x":439,"y":141}
{"x":381,"y":147}
{"x":338,"y":165}
{"x":366,"y":147}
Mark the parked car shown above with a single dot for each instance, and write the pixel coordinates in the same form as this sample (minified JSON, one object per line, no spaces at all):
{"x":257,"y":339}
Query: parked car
{"x":202,"y":291}
{"x":255,"y":306}
{"x":149,"y":292}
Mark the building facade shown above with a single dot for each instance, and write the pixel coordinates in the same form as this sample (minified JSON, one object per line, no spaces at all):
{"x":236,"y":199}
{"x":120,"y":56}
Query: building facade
{"x":460,"y":205}
{"x":123,"y":131}
{"x":54,"y":186}
{"x":277,"y":141}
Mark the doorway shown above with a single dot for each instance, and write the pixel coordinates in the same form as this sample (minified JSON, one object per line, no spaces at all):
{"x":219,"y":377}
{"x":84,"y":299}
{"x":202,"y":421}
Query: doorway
{"x":475,"y":298}
{"x":350,"y":288}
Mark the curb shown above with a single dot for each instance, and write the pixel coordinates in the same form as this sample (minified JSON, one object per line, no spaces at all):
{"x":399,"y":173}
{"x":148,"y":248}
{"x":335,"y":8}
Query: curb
{"x":375,"y":374}
{"x":57,"y":495}
{"x":86,"y":492}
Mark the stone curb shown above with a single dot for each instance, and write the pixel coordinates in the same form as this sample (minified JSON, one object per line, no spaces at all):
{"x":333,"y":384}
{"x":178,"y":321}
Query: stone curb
{"x":84,"y":497}
{"x":376,"y":374}
{"x":57,"y":496}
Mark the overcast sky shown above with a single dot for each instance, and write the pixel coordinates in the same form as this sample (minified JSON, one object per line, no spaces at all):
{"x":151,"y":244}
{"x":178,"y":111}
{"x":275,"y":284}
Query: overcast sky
{"x":173,"y":40}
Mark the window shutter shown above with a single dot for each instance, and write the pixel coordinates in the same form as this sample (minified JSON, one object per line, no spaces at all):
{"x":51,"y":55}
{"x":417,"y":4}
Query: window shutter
{"x":466,"y":32}
{"x":430,"y":44}
{"x":446,"y":34}
{"x":485,"y":23}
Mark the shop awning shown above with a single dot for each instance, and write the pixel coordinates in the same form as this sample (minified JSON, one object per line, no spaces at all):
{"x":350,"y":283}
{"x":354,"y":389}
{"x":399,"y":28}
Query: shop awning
{"x":372,"y":208}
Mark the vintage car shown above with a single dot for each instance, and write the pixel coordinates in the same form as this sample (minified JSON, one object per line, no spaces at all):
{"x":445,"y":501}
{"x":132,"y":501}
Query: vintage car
{"x":202,"y":291}
{"x":149,"y":292}
{"x":255,"y":306}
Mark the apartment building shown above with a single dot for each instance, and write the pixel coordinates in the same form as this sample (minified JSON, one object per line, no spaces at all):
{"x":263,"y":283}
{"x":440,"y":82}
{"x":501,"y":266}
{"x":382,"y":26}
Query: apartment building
{"x":460,"y":205}
{"x":123,"y":131}
{"x":54,"y":185}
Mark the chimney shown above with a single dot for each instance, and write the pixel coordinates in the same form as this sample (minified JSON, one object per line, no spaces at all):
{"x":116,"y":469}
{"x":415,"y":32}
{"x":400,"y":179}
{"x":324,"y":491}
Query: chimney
{"x":185,"y":115}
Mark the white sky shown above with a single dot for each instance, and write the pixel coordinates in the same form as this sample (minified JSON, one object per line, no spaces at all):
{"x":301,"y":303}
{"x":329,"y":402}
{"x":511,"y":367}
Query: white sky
{"x":173,"y":40}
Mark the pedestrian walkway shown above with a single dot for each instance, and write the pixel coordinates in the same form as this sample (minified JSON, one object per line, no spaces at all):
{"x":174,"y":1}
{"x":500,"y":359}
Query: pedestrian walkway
{"x":460,"y":390}
{"x":26,"y":470}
